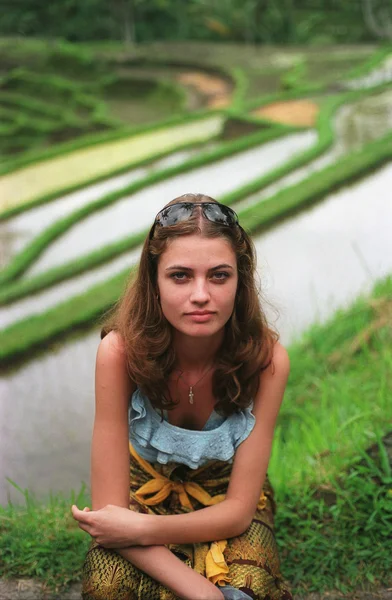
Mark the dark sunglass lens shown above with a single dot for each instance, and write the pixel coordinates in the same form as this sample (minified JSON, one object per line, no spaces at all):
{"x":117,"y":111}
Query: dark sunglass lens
{"x":174,"y":214}
{"x":220,"y":214}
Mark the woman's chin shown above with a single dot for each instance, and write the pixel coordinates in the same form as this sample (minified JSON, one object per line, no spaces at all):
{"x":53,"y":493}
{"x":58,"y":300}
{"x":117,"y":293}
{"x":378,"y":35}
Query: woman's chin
{"x":200,"y":330}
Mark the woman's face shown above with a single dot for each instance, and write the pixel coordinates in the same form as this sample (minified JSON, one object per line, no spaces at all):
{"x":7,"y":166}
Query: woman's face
{"x":197,"y":284}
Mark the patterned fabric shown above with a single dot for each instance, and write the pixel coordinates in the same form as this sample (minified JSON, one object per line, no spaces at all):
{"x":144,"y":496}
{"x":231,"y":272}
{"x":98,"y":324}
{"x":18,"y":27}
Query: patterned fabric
{"x":252,"y":558}
{"x":157,"y":440}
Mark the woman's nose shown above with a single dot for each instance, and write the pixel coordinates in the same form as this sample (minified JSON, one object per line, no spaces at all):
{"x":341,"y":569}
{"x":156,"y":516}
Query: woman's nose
{"x":200,"y":291}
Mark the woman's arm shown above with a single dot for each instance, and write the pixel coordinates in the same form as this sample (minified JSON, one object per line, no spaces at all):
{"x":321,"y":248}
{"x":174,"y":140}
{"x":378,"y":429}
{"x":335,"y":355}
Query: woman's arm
{"x":109,"y":448}
{"x":163,"y":566}
{"x":230,"y":517}
{"x":110,"y":472}
{"x":234,"y":515}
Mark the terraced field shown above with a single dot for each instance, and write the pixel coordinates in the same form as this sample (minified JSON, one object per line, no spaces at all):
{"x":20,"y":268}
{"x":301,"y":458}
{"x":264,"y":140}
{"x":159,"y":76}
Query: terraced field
{"x":313,"y":190}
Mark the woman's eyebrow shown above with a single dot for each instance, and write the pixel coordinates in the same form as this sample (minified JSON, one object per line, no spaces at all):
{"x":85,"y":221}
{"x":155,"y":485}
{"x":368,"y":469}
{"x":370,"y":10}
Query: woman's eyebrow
{"x":222,"y":266}
{"x":178,"y":268}
{"x":182,"y":268}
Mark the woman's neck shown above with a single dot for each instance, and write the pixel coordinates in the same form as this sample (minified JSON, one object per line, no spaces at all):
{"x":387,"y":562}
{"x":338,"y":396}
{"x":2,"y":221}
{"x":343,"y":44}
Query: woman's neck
{"x":194,"y":354}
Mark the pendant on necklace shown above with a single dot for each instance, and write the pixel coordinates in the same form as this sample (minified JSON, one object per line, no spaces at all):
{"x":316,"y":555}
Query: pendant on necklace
{"x":190,"y":395}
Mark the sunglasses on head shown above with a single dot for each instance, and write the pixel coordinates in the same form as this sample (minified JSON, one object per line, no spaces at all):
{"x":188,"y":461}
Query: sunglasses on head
{"x":182,"y":211}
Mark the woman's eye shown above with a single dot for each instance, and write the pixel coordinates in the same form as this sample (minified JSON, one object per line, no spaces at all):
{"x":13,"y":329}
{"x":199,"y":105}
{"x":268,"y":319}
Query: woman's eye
{"x":179,"y":276}
{"x":220,"y":276}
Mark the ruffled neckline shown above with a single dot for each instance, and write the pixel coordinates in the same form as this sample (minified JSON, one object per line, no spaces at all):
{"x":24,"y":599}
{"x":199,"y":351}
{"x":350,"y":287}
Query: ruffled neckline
{"x":170,"y":443}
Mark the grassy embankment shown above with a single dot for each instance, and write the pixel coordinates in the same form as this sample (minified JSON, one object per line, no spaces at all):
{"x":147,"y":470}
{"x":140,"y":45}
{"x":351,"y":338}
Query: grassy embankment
{"x":334,"y":504}
{"x":40,"y":63}
{"x":68,"y":170}
{"x":71,"y":95}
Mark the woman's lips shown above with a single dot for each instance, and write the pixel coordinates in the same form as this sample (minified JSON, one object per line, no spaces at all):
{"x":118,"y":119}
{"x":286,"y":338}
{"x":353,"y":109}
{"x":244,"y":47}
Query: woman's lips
{"x":200,"y":316}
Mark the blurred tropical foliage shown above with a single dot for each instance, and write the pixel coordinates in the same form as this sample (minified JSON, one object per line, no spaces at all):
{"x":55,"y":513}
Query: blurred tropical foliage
{"x":251,"y":21}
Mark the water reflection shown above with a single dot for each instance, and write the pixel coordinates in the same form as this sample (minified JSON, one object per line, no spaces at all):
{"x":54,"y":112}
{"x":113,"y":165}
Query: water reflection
{"x":377,"y":76}
{"x":309,"y":266}
{"x":364,"y":121}
{"x":47,"y":410}
{"x":10,"y":242}
{"x":324,"y":258}
{"x":354,"y":125}
{"x":36,"y":303}
{"x":288,"y":180}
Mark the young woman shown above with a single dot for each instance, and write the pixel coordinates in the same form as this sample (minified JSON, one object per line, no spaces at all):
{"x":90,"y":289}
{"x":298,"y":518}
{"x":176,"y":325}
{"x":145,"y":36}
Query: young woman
{"x":189,"y":383}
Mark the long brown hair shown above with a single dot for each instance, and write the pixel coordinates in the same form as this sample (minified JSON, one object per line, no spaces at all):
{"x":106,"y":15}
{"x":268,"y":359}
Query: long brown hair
{"x":147,"y":335}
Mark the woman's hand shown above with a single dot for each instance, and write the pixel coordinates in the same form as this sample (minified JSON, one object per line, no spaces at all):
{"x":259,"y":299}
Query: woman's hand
{"x":111,"y":526}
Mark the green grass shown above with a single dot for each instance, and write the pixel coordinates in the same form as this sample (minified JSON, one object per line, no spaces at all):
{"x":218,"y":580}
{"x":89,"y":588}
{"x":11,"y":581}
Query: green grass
{"x":339,"y":393}
{"x":79,"y":108}
{"x":373,"y":61}
{"x":340,"y":545}
{"x":324,"y":545}
{"x":34,"y":107}
{"x":334,"y":501}
{"x":262,"y":66}
{"x":76,"y":86}
{"x":57,"y":558}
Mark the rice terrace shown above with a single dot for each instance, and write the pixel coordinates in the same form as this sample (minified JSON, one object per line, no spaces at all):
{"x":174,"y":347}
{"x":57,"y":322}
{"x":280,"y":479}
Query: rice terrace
{"x":97,"y":133}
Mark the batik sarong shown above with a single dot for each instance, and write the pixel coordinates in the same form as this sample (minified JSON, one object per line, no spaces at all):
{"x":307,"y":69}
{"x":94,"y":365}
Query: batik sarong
{"x":248,"y":562}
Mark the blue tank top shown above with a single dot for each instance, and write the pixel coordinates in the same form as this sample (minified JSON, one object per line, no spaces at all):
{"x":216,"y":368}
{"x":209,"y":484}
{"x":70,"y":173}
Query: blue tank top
{"x":157,"y":440}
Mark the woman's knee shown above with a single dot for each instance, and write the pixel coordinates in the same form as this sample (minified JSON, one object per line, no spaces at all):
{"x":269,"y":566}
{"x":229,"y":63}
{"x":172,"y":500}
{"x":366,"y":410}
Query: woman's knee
{"x":107,"y":575}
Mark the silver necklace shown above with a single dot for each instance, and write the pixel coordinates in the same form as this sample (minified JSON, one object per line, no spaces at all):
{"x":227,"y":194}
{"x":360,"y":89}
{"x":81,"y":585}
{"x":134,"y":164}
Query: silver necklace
{"x":190,"y":393}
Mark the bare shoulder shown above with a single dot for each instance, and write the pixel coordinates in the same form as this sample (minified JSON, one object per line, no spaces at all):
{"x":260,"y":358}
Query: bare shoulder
{"x":111,"y":371}
{"x":280,"y":362}
{"x":113,"y":384}
{"x":273,"y":379}
{"x":111,"y":351}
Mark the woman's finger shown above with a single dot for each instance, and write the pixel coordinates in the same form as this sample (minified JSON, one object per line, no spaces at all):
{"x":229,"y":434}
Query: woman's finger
{"x":80,"y":515}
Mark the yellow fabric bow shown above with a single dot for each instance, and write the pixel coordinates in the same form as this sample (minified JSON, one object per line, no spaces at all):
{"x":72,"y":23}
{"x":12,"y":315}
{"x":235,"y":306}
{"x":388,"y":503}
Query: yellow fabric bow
{"x":216,"y":567}
{"x":161,"y":487}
